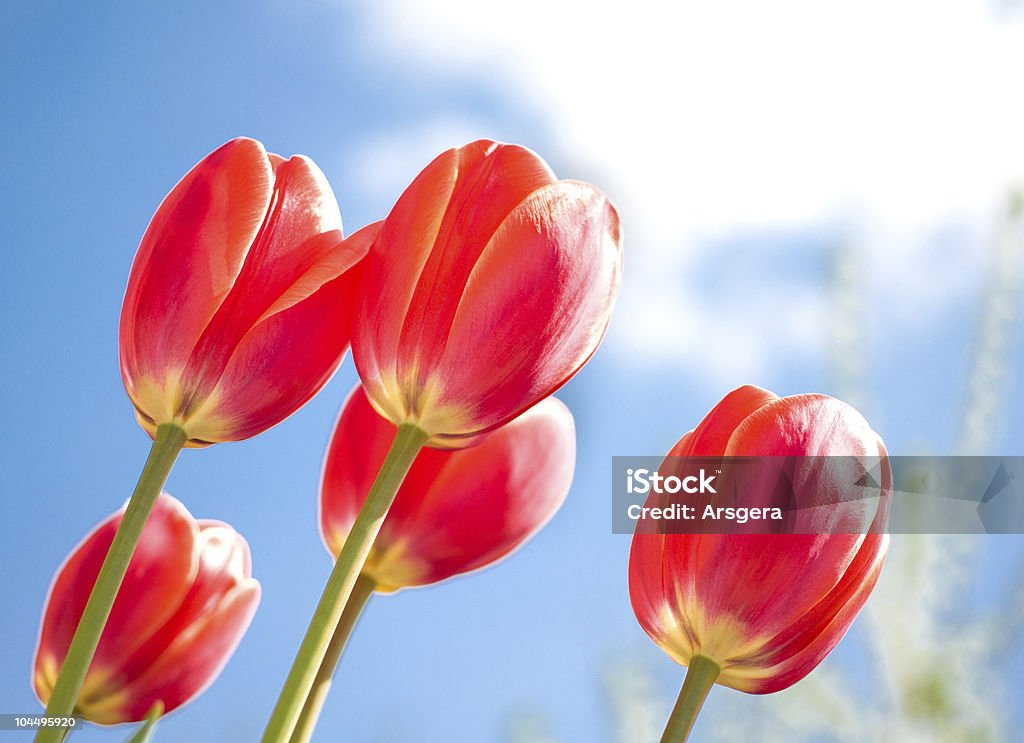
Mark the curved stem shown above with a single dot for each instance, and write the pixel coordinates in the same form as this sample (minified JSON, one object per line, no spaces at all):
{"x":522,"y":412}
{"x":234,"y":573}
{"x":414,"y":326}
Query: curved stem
{"x":409,"y":439}
{"x":700,"y":677}
{"x":322,"y":683}
{"x":166,"y":445}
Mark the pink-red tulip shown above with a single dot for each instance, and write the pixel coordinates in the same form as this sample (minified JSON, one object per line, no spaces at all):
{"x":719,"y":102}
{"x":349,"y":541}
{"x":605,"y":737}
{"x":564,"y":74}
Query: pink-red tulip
{"x":767,"y":608}
{"x":488,"y":286}
{"x":456,"y":510}
{"x":240,"y":299}
{"x":184,"y":605}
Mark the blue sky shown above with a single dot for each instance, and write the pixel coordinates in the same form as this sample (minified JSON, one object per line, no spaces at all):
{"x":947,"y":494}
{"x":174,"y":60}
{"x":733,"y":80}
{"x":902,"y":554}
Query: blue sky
{"x":739,"y":165}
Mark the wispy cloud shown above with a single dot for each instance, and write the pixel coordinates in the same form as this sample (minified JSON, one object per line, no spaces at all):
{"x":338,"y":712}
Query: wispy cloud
{"x":878,"y":119}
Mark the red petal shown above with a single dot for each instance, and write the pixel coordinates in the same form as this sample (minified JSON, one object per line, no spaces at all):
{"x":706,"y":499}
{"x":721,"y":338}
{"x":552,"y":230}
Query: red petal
{"x":280,"y":365}
{"x":456,"y":511}
{"x":711,"y":436}
{"x":224,"y":564}
{"x":158,"y":578}
{"x":195,"y":657}
{"x":298,"y":250}
{"x":798,"y":650}
{"x":358,"y":447}
{"x":428,"y":247}
{"x":533,"y":312}
{"x":189,"y":258}
{"x":647,"y":591}
{"x":492,"y":181}
{"x":489,"y":499}
{"x":390,"y":273}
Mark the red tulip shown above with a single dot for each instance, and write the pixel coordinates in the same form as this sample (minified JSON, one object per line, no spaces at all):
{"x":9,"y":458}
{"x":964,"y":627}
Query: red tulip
{"x":456,"y":510}
{"x":184,"y":605}
{"x":239,"y":302}
{"x":489,"y":285}
{"x":767,"y":608}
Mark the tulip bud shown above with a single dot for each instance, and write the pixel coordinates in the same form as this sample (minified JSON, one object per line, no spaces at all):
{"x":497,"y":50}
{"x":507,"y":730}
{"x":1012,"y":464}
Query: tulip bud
{"x":456,"y":511}
{"x":183,"y":607}
{"x":766,"y":608}
{"x":239,"y":303}
{"x":489,"y":285}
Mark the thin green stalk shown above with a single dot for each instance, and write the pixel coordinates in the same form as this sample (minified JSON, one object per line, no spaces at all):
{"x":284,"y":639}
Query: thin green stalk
{"x":145,"y":730}
{"x":700,"y":677}
{"x":166,"y":446}
{"x":322,"y":683}
{"x":409,"y":439}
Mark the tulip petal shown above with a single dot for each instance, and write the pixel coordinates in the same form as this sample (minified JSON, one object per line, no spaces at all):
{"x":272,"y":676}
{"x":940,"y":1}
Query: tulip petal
{"x":298,"y":249}
{"x":190,"y":663}
{"x":803,"y":645}
{"x":279,"y":365}
{"x":162,"y":568}
{"x":646,"y":581}
{"x":491,"y":182}
{"x":803,"y":426}
{"x":224,"y":563}
{"x":534,"y":310}
{"x":428,"y":247}
{"x":358,"y":447}
{"x":392,"y":268}
{"x":711,"y":437}
{"x":264,"y":381}
{"x":187,"y":262}
{"x":487,"y":500}
{"x":456,"y":510}
{"x":187,"y":653}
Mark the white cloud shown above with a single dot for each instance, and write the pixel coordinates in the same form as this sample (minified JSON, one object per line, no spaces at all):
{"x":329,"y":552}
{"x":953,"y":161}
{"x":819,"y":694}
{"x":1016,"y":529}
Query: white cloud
{"x":709,"y":117}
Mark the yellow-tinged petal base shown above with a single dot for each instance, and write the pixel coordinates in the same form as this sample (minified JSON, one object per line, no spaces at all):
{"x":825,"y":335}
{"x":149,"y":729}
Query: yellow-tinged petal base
{"x":156,"y":403}
{"x":686,"y":631}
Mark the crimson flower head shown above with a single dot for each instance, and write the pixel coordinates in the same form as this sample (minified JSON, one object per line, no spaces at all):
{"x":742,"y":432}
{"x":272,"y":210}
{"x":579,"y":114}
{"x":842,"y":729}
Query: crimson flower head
{"x":767,"y":608}
{"x":456,"y":511}
{"x":239,"y":302}
{"x":488,"y":286}
{"x":185,"y":603}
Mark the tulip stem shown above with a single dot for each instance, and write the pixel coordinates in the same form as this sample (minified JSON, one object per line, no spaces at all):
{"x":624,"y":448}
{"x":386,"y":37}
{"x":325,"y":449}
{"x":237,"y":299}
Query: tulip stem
{"x":145,"y":731}
{"x":322,"y":683}
{"x":409,"y":439}
{"x":700,"y":677}
{"x":167,"y":444}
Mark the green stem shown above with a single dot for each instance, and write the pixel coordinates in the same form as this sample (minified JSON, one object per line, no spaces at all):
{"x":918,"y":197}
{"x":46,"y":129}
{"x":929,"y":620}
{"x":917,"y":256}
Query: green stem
{"x":166,"y":445}
{"x":700,"y":677}
{"x":322,"y":683}
{"x":409,"y":439}
{"x":145,"y":731}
